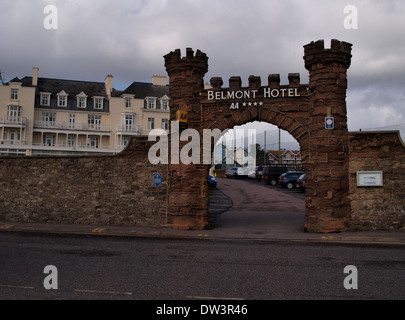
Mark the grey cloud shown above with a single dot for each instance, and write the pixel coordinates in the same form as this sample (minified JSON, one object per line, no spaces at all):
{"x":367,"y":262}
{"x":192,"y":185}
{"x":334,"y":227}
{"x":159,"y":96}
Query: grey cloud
{"x":129,"y":38}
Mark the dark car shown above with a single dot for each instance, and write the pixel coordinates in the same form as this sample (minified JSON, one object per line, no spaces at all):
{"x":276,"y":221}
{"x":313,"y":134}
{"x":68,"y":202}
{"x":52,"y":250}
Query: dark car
{"x":301,"y":182}
{"x":289,"y":179}
{"x":231,"y":173}
{"x":212,"y":182}
{"x":259,"y":173}
{"x":271,"y":173}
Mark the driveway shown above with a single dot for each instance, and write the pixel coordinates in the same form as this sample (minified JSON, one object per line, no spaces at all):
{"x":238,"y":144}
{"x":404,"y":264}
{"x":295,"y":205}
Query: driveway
{"x":259,"y":209}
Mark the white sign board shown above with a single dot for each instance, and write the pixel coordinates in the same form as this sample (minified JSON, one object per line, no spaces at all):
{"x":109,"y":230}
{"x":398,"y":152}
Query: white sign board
{"x":369,"y":178}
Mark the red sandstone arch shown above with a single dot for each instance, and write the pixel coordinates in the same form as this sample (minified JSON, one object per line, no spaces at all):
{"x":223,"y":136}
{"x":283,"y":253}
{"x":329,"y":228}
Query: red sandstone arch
{"x":279,"y":119}
{"x":325,"y":152}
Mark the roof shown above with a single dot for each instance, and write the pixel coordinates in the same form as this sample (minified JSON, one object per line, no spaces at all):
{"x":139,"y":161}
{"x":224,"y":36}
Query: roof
{"x":142,"y":90}
{"x":275,"y":153}
{"x":71,"y":87}
{"x":14,"y":80}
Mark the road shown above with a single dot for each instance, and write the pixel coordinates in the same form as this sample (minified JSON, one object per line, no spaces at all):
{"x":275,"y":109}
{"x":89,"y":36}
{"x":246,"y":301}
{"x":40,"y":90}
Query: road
{"x":143,"y":269}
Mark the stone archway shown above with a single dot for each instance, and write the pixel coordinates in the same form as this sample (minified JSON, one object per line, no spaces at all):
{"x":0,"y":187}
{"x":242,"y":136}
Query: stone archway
{"x":300,"y":109}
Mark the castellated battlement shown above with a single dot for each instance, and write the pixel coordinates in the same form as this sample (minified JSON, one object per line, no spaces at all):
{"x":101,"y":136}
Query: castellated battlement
{"x":174,"y":61}
{"x":235,"y":83}
{"x":336,"y":46}
{"x":339,"y":52}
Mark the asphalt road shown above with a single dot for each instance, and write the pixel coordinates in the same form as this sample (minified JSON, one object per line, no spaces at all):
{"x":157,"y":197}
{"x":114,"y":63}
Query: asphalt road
{"x":143,"y":269}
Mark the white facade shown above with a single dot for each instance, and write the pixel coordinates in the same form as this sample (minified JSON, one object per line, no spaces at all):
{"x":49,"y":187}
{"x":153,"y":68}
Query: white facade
{"x":40,"y":116}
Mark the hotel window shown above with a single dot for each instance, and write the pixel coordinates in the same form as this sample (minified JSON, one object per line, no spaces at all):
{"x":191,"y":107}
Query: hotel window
{"x":151,"y":103}
{"x":92,"y":142}
{"x":72,"y":120}
{"x":81,"y":100}
{"x":45,"y":99}
{"x":13,"y":113}
{"x":164,"y":104}
{"x":94,"y":122}
{"x":62,"y":99}
{"x":165,"y":124}
{"x":98,"y":103}
{"x":12,"y":136}
{"x":49,"y":140}
{"x":151,"y":123}
{"x":128,"y":102}
{"x":71,"y":141}
{"x":128,"y":121}
{"x":14,"y":94}
{"x":125,"y":140}
{"x":48,"y":119}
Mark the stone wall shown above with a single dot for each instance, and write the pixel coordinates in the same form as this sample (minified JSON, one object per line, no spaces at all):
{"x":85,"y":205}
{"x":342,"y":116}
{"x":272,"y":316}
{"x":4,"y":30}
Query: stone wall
{"x":116,"y":190}
{"x":377,"y":208}
{"x":119,"y":190}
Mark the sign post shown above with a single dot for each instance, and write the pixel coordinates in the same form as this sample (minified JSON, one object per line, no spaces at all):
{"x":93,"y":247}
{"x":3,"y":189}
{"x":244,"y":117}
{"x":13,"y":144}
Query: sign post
{"x":182,"y":118}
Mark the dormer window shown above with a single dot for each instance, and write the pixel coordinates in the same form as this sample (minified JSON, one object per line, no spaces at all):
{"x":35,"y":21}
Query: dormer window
{"x":45,"y":99}
{"x":98,"y":103}
{"x":150,"y":103}
{"x":164,"y":103}
{"x":81,"y":100}
{"x":62,"y":99}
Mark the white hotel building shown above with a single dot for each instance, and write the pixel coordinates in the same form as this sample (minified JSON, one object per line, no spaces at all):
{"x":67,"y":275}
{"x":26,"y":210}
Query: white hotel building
{"x":42,"y":116}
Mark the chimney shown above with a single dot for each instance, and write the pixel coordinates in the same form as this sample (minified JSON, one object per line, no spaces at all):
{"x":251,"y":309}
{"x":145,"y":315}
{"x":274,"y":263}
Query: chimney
{"x":35,"y":76}
{"x":159,"y":80}
{"x":109,"y":85}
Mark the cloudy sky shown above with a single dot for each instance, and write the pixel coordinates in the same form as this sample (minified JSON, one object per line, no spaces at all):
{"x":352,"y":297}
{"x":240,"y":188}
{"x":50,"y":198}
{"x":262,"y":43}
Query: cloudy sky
{"x":128,"y":39}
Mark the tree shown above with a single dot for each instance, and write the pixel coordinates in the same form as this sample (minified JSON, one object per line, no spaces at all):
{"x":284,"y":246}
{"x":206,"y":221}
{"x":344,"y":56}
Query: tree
{"x":260,"y":154}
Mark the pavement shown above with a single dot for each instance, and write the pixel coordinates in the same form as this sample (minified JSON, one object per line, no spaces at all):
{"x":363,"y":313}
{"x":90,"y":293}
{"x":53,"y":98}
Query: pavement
{"x":238,"y":212}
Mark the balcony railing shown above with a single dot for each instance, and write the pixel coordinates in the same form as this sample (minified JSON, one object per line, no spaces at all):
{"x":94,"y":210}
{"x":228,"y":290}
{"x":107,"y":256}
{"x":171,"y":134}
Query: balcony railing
{"x":72,"y":126}
{"x":12,"y":142}
{"x":68,"y":146}
{"x":20,"y":121}
{"x":129,"y":128}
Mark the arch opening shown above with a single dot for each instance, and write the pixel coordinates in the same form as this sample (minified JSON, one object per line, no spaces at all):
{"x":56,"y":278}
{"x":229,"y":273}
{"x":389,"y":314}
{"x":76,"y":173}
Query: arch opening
{"x":257,"y":203}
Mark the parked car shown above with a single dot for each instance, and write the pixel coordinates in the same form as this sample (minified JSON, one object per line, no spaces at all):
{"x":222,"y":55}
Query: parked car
{"x":251,"y":172}
{"x":289,"y":179}
{"x":231,"y":173}
{"x":301,"y":182}
{"x":272,"y":172}
{"x":212,"y":182}
{"x":259,"y":173}
{"x":252,"y":175}
{"x":244,"y":172}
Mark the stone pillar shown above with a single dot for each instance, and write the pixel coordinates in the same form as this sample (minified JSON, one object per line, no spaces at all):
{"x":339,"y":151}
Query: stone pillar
{"x":188,"y":190}
{"x":327,"y":203}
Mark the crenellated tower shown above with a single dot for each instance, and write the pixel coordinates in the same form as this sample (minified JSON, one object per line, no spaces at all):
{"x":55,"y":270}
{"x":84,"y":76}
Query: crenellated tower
{"x":188,"y":187}
{"x":327,"y":204}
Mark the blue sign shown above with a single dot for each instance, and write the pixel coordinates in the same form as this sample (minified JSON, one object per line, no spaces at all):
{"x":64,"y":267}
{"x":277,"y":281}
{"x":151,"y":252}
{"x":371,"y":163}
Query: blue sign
{"x":329,"y":123}
{"x":157,"y":180}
